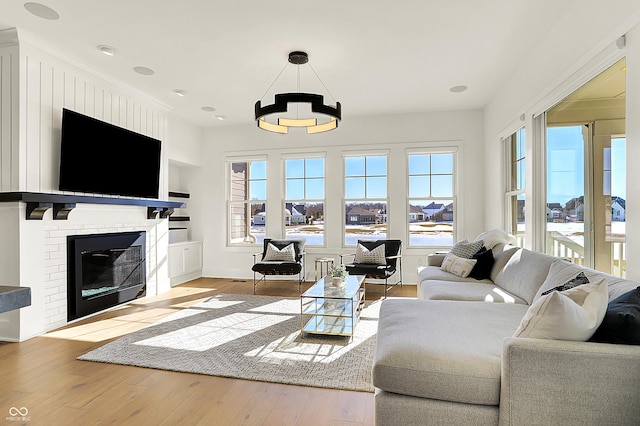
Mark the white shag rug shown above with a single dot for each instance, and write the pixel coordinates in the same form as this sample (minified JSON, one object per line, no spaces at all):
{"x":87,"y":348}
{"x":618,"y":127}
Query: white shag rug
{"x":250,"y":337}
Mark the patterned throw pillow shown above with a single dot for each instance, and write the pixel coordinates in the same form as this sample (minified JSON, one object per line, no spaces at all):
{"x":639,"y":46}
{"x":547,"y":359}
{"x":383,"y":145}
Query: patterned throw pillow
{"x":374,"y":256}
{"x":466,"y":249}
{"x":458,"y":265}
{"x":285,"y":254}
{"x":580,"y":279}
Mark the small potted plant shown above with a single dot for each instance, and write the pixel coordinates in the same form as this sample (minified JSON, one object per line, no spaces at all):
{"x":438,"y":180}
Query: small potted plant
{"x":338,"y":274}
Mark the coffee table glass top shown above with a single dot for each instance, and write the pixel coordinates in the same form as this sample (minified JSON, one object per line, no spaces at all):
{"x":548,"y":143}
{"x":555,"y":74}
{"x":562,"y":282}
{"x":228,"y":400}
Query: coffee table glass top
{"x":324,"y":288}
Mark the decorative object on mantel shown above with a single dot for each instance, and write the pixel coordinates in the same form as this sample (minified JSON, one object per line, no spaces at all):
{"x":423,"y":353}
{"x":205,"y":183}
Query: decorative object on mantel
{"x":282,"y":101}
{"x":338,"y":274}
{"x":250,"y":337}
{"x":38,"y":203}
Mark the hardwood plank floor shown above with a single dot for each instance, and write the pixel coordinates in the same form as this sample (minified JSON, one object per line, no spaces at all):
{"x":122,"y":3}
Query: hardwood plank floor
{"x":43,"y":375}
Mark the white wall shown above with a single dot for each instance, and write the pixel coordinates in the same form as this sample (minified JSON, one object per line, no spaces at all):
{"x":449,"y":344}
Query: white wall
{"x":579,"y":47}
{"x":36,"y":83}
{"x":394,"y":134}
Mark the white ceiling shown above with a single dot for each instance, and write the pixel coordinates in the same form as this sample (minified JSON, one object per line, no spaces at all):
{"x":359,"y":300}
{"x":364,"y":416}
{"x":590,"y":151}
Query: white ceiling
{"x":375,"y":57}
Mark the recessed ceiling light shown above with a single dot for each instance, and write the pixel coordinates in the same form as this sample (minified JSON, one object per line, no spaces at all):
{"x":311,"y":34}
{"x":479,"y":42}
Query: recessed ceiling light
{"x":220,"y":117}
{"x":144,"y":70}
{"x":458,"y":89}
{"x":208,"y":108}
{"x":180,"y":92}
{"x":42,"y":11}
{"x":107,"y":50}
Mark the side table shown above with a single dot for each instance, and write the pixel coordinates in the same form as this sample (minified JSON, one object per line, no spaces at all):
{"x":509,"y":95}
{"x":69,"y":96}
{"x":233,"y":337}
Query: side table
{"x":322,"y":266}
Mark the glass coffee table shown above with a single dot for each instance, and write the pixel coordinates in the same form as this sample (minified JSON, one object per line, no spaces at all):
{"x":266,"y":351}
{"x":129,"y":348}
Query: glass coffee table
{"x":325,"y":309}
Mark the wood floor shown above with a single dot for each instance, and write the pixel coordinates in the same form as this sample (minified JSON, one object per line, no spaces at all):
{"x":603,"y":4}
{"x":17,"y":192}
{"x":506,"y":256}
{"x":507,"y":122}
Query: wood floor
{"x":43,"y":376}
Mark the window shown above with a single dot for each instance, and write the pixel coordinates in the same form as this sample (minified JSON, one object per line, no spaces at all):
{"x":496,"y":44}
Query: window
{"x":515,"y":191}
{"x":304,"y":200}
{"x":247,"y":204}
{"x":431,"y":199}
{"x":365,"y":188}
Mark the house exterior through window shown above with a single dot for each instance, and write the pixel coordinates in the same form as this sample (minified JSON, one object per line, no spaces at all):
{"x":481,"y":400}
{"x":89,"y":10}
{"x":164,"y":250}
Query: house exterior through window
{"x":247,"y":201}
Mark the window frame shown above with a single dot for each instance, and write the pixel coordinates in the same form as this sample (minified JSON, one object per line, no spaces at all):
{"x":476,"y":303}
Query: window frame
{"x":455,"y":153}
{"x":305,"y":200}
{"x":365,"y":199}
{"x":248,"y":202}
{"x":512,"y":188}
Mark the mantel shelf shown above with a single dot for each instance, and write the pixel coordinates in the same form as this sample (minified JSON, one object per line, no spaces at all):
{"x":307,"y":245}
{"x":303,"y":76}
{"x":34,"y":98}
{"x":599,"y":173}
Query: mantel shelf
{"x":38,"y":203}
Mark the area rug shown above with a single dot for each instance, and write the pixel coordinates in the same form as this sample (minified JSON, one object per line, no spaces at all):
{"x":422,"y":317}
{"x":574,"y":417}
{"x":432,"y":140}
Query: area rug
{"x":250,"y":337}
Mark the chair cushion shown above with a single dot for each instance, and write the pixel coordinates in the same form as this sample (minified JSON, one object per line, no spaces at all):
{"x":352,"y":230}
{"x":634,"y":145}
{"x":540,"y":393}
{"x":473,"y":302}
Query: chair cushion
{"x":374,"y":256}
{"x":284,"y":254}
{"x":277,"y":268}
{"x":370,"y":270}
{"x":298,"y":245}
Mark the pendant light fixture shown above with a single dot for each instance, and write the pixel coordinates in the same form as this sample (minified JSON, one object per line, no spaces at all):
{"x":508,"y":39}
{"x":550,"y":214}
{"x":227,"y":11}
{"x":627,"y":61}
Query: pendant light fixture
{"x":330,"y":114}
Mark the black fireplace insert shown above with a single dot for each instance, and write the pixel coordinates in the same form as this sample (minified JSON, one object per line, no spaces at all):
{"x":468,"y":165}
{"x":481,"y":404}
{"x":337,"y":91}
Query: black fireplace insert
{"x":104,"y":270}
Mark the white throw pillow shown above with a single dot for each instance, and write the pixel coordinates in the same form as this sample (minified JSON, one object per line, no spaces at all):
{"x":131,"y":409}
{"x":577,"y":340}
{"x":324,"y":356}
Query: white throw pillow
{"x":285,"y":254}
{"x":458,"y":265}
{"x":494,"y":237}
{"x":573,"y":314}
{"x":375,"y":256}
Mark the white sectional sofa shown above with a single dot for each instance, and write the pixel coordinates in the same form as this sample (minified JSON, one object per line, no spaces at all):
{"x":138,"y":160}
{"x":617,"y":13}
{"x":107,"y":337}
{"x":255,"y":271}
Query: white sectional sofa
{"x":449,"y":357}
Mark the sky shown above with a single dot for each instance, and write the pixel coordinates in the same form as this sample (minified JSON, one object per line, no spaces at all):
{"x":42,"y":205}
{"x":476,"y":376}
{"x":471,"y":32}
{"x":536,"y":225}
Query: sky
{"x":565,"y":165}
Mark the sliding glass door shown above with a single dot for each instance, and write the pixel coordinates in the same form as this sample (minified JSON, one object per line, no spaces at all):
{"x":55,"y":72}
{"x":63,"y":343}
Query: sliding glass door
{"x":586,"y":174}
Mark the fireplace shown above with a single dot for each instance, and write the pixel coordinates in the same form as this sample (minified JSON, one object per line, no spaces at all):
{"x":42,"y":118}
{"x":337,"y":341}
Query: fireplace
{"x":104,"y":270}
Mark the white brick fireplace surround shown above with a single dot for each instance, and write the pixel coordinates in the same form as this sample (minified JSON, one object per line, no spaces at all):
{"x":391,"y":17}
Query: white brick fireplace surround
{"x":33,"y":254}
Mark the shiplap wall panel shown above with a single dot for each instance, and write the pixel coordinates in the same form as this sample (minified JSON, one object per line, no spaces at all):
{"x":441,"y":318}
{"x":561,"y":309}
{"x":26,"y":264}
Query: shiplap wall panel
{"x":49,"y":86}
{"x":8,"y":117}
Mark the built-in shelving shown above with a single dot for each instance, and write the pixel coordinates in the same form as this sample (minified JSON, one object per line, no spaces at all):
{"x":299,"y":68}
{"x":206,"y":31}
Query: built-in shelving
{"x":38,"y":203}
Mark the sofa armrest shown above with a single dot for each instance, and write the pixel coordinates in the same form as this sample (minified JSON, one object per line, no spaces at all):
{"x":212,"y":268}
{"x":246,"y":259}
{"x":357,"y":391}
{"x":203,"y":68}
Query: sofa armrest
{"x":562,"y":382}
{"x":435,"y":259}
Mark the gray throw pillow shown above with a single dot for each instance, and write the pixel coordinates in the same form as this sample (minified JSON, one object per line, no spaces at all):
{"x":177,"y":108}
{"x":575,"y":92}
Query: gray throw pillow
{"x":466,"y":249}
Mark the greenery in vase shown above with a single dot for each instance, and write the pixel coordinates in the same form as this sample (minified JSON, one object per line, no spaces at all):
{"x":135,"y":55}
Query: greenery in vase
{"x":338,"y":271}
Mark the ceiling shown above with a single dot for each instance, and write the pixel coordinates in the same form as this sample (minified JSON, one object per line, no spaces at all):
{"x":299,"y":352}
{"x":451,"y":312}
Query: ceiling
{"x":376,"y":58}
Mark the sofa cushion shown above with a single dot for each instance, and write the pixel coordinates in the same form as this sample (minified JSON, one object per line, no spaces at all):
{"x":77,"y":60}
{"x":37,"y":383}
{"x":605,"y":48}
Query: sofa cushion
{"x":482,"y":269}
{"x":494,"y":237}
{"x":429,"y":273}
{"x":460,"y":362}
{"x":562,"y":270}
{"x":458,"y":266}
{"x":621,"y":323}
{"x":573,"y":314}
{"x":466,"y":249}
{"x":524,"y":273}
{"x":470,"y":291}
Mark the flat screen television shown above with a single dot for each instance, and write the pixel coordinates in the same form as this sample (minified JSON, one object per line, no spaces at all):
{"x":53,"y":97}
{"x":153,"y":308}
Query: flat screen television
{"x":98,"y":157}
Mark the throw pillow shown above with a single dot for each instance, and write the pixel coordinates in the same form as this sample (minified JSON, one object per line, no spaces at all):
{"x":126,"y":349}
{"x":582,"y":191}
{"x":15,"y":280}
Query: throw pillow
{"x":573,"y":314}
{"x":482,"y":269}
{"x":621,"y":323}
{"x":285,"y":254}
{"x":374,"y":256}
{"x":494,"y":237}
{"x":562,"y":271}
{"x":580,"y":279}
{"x":466,"y":249}
{"x":458,"y":265}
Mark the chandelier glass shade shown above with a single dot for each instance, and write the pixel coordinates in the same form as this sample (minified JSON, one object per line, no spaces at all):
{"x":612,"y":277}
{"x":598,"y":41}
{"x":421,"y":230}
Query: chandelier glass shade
{"x":330,"y":115}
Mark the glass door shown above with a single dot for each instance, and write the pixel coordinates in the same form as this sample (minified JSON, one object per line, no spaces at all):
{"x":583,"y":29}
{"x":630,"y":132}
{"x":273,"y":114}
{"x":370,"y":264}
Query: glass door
{"x":586,"y":174}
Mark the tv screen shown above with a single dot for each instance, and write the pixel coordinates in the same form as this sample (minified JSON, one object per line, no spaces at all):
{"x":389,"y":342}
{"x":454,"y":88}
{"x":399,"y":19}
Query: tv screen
{"x":98,"y":157}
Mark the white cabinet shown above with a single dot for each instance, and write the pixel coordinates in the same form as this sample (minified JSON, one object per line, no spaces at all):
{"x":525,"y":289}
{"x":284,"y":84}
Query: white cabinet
{"x":185,"y":261}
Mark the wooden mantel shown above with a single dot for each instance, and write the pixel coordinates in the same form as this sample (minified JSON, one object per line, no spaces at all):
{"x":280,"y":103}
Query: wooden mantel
{"x":38,"y":203}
